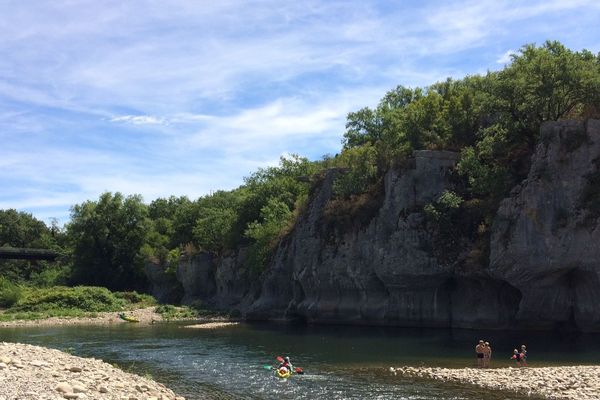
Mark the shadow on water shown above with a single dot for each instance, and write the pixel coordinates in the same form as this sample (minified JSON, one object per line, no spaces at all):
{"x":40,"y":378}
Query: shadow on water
{"x":340,"y":362}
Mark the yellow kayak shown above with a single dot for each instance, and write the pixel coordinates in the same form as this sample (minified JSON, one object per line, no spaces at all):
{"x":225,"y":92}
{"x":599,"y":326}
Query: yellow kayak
{"x":128,"y":319}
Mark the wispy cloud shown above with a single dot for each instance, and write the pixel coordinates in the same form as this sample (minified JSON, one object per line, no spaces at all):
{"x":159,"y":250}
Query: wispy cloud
{"x":140,"y":119}
{"x":187,"y":97}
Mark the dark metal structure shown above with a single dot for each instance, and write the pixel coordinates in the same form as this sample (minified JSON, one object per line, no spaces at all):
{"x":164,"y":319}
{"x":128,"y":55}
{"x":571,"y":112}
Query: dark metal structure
{"x":15,"y":253}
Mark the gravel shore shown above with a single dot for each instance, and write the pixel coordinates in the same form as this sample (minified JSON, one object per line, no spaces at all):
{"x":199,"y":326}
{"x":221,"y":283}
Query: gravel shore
{"x":575,"y":383}
{"x":33,"y":372}
{"x":212,"y":325}
{"x":143,"y":315}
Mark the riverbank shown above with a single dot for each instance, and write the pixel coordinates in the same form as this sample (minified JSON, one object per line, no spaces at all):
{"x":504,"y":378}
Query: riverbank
{"x":144,"y":316}
{"x":573,"y":382}
{"x":33,"y":372}
{"x":147,"y":315}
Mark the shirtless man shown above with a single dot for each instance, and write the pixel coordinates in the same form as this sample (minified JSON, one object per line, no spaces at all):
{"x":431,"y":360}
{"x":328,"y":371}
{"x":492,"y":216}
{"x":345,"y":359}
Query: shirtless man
{"x":487,"y":354}
{"x":479,"y":353}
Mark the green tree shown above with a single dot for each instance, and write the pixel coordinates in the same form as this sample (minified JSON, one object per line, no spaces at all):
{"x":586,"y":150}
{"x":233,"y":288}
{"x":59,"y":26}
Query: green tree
{"x":214,"y":229}
{"x":107,"y":236}
{"x":274,"y":216}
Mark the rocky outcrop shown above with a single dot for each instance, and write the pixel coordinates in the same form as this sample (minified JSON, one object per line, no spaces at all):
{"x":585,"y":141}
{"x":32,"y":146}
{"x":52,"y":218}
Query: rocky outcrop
{"x":197,"y":275}
{"x":381,"y":264}
{"x":546,"y":240}
{"x":384,"y":272}
{"x":164,"y":286}
{"x":219,"y":282}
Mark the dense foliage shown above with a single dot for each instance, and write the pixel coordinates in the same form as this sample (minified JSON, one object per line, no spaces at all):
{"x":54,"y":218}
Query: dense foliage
{"x":493,"y":120}
{"x":20,"y":229}
{"x":58,"y":301}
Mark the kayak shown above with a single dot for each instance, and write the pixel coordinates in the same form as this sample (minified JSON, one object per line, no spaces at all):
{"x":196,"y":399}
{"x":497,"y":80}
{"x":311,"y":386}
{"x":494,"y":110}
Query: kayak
{"x":128,"y":319}
{"x":283,"y":373}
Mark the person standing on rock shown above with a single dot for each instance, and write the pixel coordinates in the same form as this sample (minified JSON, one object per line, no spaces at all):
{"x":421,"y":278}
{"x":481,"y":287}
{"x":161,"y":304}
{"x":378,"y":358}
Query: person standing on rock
{"x":487,"y":354}
{"x":524,"y":355}
{"x":479,"y":353}
{"x":517,"y":357}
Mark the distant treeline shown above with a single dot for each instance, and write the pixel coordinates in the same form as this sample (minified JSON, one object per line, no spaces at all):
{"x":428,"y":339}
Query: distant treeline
{"x":492,"y":120}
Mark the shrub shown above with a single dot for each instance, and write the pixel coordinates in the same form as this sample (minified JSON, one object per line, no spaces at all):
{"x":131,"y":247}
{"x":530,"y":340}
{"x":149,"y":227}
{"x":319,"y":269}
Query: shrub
{"x":10,"y":293}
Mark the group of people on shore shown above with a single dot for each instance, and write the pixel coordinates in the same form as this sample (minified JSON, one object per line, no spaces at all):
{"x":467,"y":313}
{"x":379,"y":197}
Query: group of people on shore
{"x":483,"y":351}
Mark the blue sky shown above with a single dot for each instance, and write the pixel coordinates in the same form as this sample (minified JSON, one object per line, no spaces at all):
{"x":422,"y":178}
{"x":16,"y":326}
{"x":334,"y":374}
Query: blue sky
{"x":177,"y":98}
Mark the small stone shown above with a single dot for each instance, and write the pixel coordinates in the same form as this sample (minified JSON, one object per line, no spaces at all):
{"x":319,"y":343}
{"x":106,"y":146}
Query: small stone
{"x":103,"y":389}
{"x":63,"y":387}
{"x":70,"y":395}
{"x":75,"y":369}
{"x":5,"y":360}
{"x":79,"y":389}
{"x":2,"y":365}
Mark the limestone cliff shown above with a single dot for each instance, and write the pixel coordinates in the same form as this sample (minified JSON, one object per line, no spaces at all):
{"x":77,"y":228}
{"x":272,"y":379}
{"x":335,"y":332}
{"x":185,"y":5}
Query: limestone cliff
{"x":546,"y":238}
{"x":381,"y":266}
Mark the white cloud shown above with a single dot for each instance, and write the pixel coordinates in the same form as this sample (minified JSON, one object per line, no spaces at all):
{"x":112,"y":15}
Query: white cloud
{"x":140,"y":119}
{"x":222,"y":88}
{"x":506,"y":58}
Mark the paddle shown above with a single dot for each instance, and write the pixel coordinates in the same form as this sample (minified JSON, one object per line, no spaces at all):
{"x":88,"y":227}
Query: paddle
{"x":269,"y":367}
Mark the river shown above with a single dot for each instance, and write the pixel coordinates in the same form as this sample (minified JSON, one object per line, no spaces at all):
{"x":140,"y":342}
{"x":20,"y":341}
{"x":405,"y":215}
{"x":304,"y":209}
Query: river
{"x":340,"y":362}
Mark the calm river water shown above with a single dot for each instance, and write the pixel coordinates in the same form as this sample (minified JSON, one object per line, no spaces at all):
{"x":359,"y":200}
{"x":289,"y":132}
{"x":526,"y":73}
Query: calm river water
{"x":340,"y":362}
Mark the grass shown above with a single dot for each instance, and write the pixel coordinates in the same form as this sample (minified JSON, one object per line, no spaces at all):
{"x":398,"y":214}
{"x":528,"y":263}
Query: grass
{"x":80,"y":301}
{"x":171,"y":313}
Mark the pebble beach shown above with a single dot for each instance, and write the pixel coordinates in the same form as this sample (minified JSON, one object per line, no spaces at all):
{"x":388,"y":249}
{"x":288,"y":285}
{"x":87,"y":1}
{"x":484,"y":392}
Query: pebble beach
{"x":143,"y":315}
{"x":569,"y":382}
{"x":33,"y":372}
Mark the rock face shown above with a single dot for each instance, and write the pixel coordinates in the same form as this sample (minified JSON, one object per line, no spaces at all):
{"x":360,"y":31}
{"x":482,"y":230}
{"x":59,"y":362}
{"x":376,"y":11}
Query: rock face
{"x":163,"y":286}
{"x":383,"y":272}
{"x":546,"y":239}
{"x":380,"y":265}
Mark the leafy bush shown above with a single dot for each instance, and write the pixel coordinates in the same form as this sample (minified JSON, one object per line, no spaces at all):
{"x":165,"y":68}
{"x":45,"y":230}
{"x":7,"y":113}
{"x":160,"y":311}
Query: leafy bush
{"x":139,"y":299}
{"x":170,"y":312}
{"x":361,"y":164}
{"x":275,"y":216}
{"x":51,"y":276}
{"x":10,"y":293}
{"x":83,"y":298}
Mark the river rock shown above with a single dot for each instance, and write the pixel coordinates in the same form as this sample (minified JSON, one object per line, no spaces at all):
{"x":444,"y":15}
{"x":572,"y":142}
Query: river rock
{"x":79,"y":389}
{"x":63,"y":387}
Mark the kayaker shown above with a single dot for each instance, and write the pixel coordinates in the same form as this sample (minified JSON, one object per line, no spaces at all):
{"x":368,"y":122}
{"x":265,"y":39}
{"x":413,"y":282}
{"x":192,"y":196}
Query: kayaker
{"x":286,"y":364}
